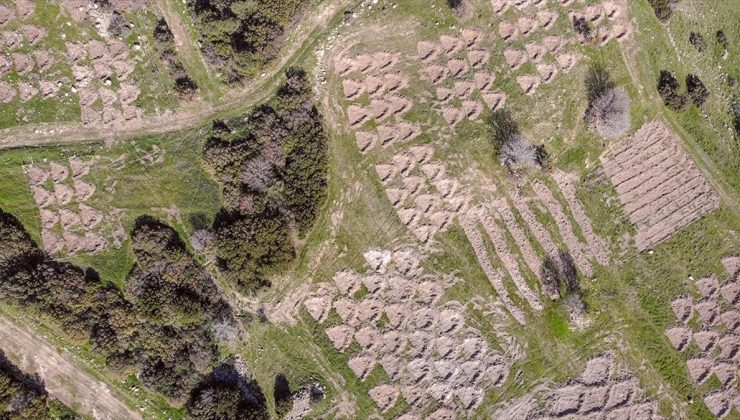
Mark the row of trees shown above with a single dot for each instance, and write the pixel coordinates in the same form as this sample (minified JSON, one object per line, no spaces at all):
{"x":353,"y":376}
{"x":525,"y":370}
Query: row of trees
{"x":240,"y":36}
{"x":165,"y":324}
{"x":272,"y":167}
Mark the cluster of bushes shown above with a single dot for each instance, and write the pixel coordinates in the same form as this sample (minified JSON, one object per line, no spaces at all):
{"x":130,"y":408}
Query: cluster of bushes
{"x":663,"y":8}
{"x":240,"y":36}
{"x":559,"y":277}
{"x":165,"y":44}
{"x":164,"y":325}
{"x":227,"y":394}
{"x":23,"y":396}
{"x":510,"y":147}
{"x":669,"y":90}
{"x":608,"y":111}
{"x":272,"y":168}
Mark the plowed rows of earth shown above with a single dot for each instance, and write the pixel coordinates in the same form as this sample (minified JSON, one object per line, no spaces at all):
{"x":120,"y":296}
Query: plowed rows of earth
{"x":659,"y":185}
{"x":717,"y":341}
{"x":429,"y":354}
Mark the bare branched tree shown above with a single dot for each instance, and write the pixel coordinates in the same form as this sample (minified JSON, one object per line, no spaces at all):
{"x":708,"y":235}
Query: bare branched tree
{"x":259,"y":174}
{"x":609,"y":114}
{"x":519,"y":152}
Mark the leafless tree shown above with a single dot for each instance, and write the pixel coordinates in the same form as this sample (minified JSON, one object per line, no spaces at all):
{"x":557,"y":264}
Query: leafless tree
{"x":519,"y":152}
{"x":259,"y":174}
{"x":609,"y":114}
{"x":201,"y":239}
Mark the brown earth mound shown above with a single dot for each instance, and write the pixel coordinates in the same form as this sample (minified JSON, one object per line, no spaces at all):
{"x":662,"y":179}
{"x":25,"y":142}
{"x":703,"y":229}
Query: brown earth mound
{"x":23,"y":63}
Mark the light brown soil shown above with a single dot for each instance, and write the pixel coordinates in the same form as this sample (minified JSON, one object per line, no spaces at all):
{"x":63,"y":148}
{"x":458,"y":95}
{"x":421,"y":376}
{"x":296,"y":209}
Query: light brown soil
{"x":718,"y":403}
{"x":682,"y":308}
{"x":24,"y":64}
{"x":13,"y":39}
{"x":705,"y":340}
{"x":528,"y":83}
{"x":514,"y":58}
{"x":361,"y":366}
{"x":552,"y":43}
{"x":427,"y":51}
{"x":658,"y":183}
{"x":457,"y":67}
{"x":44,"y":59}
{"x":6,"y":14}
{"x":33,"y":34}
{"x":526,"y":25}
{"x":340,"y":336}
{"x":384,"y":396}
{"x":596,"y":245}
{"x":52,"y":242}
{"x":318,"y":307}
{"x":82,"y":190}
{"x":450,"y":44}
{"x":679,"y":337}
{"x":62,"y":376}
{"x":7,"y":92}
{"x":508,"y":31}
{"x":494,"y":100}
{"x":471,"y":231}
{"x":576,"y":247}
{"x":708,"y":311}
{"x":699,"y":369}
{"x":730,"y":291}
{"x":42,"y":197}
{"x":508,"y":259}
{"x":63,"y":194}
{"x":478,"y":58}
{"x":731,"y":263}
{"x":707,"y":286}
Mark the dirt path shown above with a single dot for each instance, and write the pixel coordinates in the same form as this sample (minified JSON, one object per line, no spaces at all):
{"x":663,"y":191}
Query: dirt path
{"x":189,"y":52}
{"x":64,"y":380}
{"x":254,"y":92}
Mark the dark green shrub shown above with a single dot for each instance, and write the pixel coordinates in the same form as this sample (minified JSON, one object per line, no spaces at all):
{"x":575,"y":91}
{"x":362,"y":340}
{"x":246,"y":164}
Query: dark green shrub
{"x":696,"y":90}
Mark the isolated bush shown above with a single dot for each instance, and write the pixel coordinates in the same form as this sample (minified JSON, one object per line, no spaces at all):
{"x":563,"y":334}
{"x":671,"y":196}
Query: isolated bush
{"x":668,"y":87}
{"x":697,"y":41}
{"x":118,"y":26}
{"x":225,"y":394}
{"x":582,"y":28}
{"x":735,"y":115}
{"x":504,"y":128}
{"x":722,"y":39}
{"x":598,"y":82}
{"x":511,"y":148}
{"x":609,"y":115}
{"x":696,"y":90}
{"x":663,"y":8}
{"x":162,"y":32}
{"x":520,"y":153}
{"x":282,"y":395}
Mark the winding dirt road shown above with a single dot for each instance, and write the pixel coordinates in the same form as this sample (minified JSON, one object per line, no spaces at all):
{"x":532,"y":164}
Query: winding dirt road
{"x":63,"y":378}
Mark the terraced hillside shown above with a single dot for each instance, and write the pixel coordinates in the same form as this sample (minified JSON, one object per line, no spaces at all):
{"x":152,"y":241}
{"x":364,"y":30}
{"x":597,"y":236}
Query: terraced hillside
{"x":507,"y":209}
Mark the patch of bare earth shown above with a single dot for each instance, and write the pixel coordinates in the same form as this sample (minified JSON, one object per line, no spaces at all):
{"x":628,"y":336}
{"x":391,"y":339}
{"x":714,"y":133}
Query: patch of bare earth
{"x":659,"y":185}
